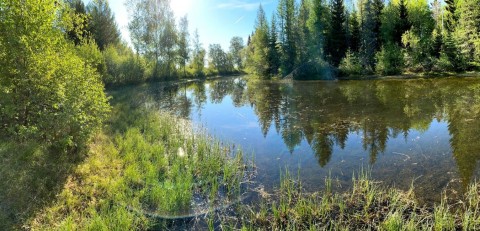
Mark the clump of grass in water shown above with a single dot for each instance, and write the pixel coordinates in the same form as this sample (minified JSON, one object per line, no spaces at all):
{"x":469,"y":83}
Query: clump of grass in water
{"x":368,"y":206}
{"x":158,"y":166}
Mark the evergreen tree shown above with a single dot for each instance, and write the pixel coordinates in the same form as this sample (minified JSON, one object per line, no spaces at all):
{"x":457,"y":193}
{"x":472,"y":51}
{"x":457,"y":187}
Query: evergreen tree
{"x":367,"y":44}
{"x":354,"y":32}
{"x":274,"y":54}
{"x":467,"y":31}
{"x":451,"y":15}
{"x":289,"y":49}
{"x":258,"y":59}
{"x":403,"y":24}
{"x":303,"y":32}
{"x":102,"y":24}
{"x":318,"y":25}
{"x":377,"y":7}
{"x":337,"y":40}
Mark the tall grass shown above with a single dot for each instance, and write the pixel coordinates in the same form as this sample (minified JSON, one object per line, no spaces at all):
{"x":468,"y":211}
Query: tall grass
{"x":158,"y":165}
{"x":367,"y":206}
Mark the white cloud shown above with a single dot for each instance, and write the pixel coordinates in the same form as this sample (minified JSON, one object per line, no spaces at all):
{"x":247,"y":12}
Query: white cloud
{"x":241,"y":4}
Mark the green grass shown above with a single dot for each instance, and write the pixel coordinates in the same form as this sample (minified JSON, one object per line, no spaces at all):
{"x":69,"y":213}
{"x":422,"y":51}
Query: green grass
{"x":155,"y":166}
{"x":367,"y":206}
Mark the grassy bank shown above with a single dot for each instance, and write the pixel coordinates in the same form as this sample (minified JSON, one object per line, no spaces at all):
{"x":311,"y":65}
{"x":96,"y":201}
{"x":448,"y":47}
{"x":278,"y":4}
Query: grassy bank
{"x":144,"y":164}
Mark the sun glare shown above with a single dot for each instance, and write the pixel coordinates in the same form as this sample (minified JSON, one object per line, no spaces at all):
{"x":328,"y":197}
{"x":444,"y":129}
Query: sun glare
{"x":181,"y":7}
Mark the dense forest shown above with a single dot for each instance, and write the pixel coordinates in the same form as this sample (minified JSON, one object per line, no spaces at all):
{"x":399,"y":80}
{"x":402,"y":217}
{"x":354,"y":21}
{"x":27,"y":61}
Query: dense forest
{"x":320,"y":38}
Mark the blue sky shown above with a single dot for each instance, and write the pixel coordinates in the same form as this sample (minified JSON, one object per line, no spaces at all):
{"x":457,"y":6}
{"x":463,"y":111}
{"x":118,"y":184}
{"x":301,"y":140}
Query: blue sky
{"x":217,"y":21}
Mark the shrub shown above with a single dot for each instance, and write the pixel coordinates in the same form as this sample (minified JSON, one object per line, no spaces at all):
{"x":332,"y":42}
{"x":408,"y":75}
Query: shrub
{"x":350,"y":65}
{"x":389,"y":60}
{"x":49,"y":94}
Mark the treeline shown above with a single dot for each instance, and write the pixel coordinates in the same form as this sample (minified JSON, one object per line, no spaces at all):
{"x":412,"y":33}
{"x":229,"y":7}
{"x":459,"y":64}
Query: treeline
{"x":312,"y":38}
{"x":162,"y":46}
{"x":57,"y":56}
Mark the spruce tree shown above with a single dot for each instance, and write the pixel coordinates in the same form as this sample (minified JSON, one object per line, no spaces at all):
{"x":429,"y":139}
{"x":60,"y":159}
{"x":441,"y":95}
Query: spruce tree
{"x":337,"y":40}
{"x":302,"y":32}
{"x":258,"y":52}
{"x":367,"y":47}
{"x":274,"y":55}
{"x":467,"y":31}
{"x":318,"y":24}
{"x":355,"y":32}
{"x":451,"y":15}
{"x":377,"y":7}
{"x":403,"y":25}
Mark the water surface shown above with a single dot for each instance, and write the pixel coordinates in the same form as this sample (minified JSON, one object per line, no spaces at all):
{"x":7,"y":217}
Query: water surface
{"x":424,"y":131}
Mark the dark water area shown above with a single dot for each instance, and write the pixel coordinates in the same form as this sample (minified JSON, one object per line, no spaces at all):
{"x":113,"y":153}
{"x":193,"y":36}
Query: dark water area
{"x":420,"y":131}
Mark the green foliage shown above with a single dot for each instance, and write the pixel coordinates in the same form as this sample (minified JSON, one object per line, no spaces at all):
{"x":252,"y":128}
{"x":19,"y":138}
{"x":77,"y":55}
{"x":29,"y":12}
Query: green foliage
{"x":49,"y":94}
{"x":123,"y":66}
{"x":198,"y":62}
{"x":75,"y":21}
{"x":236,"y":48}
{"x":467,"y":32}
{"x":389,"y":60}
{"x":153,"y":166}
{"x":350,"y":65}
{"x":154,"y":35}
{"x":89,"y":52}
{"x":219,"y":61}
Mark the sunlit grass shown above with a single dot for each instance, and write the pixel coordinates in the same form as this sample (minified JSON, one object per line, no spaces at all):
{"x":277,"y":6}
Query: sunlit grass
{"x":157,"y":166}
{"x":367,"y":206}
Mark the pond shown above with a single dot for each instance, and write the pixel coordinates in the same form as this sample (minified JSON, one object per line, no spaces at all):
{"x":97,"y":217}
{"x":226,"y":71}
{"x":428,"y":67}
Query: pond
{"x":420,"y":131}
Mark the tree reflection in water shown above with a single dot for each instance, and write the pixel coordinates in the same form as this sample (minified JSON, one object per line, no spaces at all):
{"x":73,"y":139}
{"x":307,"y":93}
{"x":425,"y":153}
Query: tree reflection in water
{"x":325,"y":114}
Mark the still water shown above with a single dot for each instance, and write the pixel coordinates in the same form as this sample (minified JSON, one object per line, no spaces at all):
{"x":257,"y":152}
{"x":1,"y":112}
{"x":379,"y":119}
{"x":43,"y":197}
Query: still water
{"x":422,"y":131}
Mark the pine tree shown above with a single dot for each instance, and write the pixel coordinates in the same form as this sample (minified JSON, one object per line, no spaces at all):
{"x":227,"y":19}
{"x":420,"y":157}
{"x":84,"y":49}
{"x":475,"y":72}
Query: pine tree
{"x":337,"y":40}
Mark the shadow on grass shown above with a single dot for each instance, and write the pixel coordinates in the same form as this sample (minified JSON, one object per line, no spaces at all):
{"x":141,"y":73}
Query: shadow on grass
{"x":30,"y":177}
